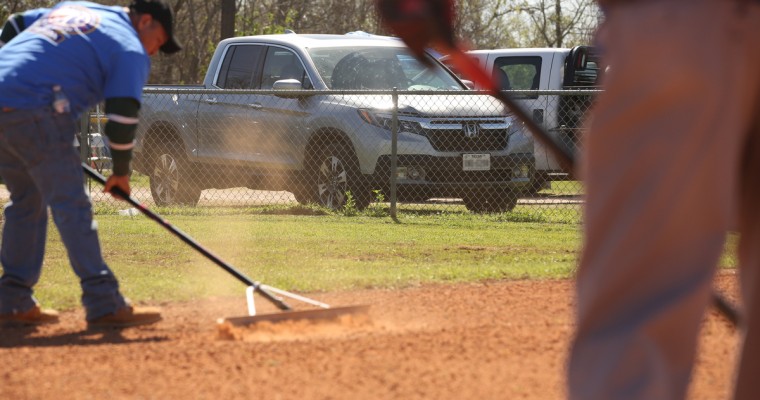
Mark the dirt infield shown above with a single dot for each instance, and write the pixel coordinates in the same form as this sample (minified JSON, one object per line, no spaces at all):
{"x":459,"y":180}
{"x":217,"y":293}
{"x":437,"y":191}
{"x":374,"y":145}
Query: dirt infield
{"x":501,"y":340}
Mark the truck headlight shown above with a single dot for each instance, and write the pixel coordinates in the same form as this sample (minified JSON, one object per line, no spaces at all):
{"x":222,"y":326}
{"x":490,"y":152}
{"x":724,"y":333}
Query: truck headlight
{"x":385,"y":121}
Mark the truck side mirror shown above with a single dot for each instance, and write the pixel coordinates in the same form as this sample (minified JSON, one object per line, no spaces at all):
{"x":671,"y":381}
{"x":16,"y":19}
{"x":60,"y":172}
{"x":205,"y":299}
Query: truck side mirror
{"x":579,"y":58}
{"x":581,"y":68}
{"x":287,"y":85}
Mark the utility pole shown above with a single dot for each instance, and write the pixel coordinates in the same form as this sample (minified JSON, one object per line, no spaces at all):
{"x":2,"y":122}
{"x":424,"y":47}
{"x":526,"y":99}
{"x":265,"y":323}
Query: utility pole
{"x":228,"y":19}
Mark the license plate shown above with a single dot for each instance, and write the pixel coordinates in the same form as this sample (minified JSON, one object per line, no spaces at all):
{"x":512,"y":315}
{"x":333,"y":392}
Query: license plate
{"x":476,"y":162}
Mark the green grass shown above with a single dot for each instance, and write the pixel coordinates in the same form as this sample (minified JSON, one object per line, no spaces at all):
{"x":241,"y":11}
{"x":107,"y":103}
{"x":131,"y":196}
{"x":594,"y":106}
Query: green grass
{"x":564,"y":188}
{"x":309,"y":253}
{"x":308,"y":249}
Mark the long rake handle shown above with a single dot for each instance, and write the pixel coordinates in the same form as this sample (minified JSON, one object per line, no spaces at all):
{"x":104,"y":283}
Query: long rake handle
{"x":188,"y":240}
{"x":472,"y":70}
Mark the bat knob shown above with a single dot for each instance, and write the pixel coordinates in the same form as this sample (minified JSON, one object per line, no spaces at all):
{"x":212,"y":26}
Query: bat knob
{"x":420,"y":23}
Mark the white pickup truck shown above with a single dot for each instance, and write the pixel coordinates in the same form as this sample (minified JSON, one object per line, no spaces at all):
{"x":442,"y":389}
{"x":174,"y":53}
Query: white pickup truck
{"x":542,"y":70}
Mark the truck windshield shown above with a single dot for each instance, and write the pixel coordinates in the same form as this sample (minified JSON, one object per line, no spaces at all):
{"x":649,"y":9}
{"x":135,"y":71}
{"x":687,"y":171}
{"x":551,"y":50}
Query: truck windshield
{"x":378,"y":68}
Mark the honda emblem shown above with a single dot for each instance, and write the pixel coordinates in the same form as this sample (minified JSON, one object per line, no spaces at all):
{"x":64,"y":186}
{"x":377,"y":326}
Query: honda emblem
{"x":471,"y":130}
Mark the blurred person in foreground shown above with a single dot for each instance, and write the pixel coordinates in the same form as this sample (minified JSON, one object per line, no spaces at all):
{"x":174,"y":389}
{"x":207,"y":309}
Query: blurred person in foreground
{"x":54,"y":65}
{"x":670,"y":164}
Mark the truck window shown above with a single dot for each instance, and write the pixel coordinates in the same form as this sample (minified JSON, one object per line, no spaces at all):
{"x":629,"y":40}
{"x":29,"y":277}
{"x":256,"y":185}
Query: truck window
{"x":281,"y":63}
{"x":518,"y":73}
{"x":450,"y":65}
{"x":381,"y":68}
{"x":238,"y":67}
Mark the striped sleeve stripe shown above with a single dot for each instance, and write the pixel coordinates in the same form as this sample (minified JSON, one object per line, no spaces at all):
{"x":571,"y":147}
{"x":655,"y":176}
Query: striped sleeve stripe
{"x":122,"y":146}
{"x":122,"y":119}
{"x":12,"y":21}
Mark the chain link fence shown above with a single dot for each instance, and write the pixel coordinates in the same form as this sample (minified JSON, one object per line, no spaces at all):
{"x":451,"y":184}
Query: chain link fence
{"x":397,"y":150}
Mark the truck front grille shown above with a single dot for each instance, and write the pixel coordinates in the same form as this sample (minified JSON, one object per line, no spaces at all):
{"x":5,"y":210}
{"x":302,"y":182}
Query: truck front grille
{"x":467,"y":135}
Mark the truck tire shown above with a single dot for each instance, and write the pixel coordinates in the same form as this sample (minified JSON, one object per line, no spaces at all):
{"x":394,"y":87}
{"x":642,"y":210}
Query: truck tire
{"x":335,"y":171}
{"x":490,"y":201}
{"x":171,"y":180}
{"x":537,"y":184}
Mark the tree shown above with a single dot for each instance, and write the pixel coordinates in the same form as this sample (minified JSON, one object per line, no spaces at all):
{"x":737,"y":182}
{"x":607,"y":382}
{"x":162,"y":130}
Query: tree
{"x":481,"y":23}
{"x":197,"y":27}
{"x":8,"y":7}
{"x":486,"y":23}
{"x":227,"y":25}
{"x":560,"y":23}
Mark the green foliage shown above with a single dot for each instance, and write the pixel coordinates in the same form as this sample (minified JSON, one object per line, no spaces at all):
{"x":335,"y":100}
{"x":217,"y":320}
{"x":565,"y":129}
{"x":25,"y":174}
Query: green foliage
{"x":268,"y":23}
{"x":521,"y":76}
{"x":349,"y":209}
{"x":377,"y":208}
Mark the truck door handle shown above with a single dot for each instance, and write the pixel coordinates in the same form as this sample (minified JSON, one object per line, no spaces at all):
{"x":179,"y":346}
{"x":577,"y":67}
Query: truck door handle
{"x":210,"y":100}
{"x":256,"y":106}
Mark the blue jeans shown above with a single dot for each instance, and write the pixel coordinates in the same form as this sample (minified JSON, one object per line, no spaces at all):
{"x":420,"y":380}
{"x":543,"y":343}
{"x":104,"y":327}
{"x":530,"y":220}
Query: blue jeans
{"x":41,"y":169}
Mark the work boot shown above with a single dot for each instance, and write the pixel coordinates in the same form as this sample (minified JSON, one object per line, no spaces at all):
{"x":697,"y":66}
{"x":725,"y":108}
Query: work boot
{"x":125,"y":317}
{"x":34,"y":316}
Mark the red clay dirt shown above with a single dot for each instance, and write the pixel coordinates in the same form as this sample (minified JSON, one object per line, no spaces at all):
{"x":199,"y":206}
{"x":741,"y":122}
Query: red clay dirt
{"x":495,"y":340}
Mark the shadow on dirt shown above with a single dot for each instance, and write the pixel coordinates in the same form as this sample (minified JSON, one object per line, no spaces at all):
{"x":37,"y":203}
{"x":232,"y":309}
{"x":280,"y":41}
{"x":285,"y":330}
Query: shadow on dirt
{"x":25,"y":337}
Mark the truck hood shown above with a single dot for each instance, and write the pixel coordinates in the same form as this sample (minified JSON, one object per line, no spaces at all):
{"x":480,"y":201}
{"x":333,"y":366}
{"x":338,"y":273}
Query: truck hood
{"x":443,"y":105}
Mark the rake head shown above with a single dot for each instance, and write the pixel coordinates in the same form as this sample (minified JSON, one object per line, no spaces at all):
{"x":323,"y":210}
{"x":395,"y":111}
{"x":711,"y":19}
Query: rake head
{"x":323,"y":312}
{"x":317,"y":315}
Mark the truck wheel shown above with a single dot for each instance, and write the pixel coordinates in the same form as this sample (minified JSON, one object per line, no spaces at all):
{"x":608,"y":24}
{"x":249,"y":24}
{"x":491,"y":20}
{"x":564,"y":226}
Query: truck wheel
{"x":301,"y":193}
{"x":170,"y":180}
{"x":490,"y":201}
{"x":336,"y":172}
{"x":537,"y":184}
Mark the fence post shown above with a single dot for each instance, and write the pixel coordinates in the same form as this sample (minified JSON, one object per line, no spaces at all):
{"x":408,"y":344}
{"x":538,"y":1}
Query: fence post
{"x":84,"y":143}
{"x":394,"y":153}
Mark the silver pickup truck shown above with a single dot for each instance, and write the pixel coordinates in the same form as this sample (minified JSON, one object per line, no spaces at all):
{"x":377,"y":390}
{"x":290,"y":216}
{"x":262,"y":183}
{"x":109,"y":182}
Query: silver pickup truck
{"x":283,"y":112}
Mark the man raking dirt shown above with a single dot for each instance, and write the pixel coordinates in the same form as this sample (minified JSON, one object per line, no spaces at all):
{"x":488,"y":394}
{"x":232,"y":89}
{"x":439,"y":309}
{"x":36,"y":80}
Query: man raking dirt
{"x":56,"y":64}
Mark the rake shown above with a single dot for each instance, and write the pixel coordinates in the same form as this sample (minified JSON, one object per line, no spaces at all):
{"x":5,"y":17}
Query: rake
{"x":270,"y":293}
